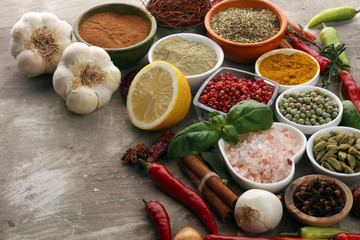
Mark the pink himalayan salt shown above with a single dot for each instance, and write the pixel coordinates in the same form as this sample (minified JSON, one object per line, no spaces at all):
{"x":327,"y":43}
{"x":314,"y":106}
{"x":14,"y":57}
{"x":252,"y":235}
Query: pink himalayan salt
{"x":264,"y":156}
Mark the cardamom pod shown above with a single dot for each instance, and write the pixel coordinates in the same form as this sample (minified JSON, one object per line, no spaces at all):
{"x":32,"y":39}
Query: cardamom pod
{"x":342,"y":155}
{"x":319,"y":146}
{"x":328,"y":166}
{"x":340,"y":135}
{"x":350,"y":160}
{"x":335,"y":164}
{"x":332,"y":147}
{"x":345,"y":139}
{"x":344,"y":146}
{"x":319,"y":155}
{"x":348,"y":169}
{"x":353,"y":151}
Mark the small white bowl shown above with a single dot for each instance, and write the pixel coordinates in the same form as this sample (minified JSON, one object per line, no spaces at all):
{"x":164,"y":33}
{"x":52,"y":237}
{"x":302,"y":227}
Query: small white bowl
{"x":308,"y":129}
{"x":195,"y":81}
{"x":345,"y":177}
{"x":288,"y":51}
{"x":272,"y":187}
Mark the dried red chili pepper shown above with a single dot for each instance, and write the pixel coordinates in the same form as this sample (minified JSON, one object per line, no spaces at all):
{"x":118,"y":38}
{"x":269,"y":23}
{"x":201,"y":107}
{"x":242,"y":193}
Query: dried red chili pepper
{"x":308,"y":35}
{"x":185,"y":195}
{"x":346,"y":236}
{"x":350,"y":88}
{"x":323,"y":61}
{"x":225,"y":237}
{"x":126,"y":82}
{"x":160,"y":147}
{"x":160,"y":218}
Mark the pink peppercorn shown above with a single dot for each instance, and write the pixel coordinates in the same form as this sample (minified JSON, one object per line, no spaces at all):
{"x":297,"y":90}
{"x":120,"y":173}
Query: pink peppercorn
{"x":223,"y":92}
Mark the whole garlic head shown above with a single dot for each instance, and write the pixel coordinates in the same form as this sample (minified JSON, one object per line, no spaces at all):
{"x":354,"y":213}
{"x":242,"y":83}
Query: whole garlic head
{"x":38,"y":41}
{"x":86,"y":78}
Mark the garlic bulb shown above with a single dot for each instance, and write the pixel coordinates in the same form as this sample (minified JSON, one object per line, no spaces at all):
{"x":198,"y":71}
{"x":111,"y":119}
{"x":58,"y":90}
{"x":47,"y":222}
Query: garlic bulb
{"x":38,"y":41}
{"x":86,"y":78}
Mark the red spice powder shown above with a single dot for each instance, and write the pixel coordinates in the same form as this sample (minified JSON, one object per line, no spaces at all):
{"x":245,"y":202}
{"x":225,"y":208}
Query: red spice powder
{"x":111,"y":30}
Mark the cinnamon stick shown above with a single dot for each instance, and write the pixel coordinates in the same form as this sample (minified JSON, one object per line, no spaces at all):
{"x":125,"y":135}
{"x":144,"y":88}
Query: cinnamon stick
{"x":224,"y":212}
{"x":285,"y":44}
{"x":196,"y":164}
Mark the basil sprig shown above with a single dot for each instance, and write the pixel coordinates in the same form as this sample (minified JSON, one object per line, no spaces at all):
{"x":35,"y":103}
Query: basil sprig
{"x":246,"y":116}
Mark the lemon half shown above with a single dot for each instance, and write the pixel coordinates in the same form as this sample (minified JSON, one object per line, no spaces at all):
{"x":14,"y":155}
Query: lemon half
{"x":159,"y":97}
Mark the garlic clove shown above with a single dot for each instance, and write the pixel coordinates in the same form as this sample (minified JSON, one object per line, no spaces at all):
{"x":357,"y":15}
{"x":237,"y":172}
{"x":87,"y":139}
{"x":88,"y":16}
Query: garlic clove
{"x":31,"y":63}
{"x":63,"y":80}
{"x":76,"y":54}
{"x":83,"y":100}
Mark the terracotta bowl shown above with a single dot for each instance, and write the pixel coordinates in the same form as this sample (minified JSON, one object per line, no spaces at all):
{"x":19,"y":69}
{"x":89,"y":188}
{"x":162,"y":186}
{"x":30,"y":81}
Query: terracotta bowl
{"x":249,"y":52}
{"x":122,"y":57}
{"x":317,"y":221}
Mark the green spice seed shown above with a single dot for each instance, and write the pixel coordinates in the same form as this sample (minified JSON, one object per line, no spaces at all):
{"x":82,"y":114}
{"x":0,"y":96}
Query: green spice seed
{"x":245,"y":25}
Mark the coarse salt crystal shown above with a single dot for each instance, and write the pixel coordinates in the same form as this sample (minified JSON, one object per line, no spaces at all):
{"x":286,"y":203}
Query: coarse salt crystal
{"x":264,"y":156}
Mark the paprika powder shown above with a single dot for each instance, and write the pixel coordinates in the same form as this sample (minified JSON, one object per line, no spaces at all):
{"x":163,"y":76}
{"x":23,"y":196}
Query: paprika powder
{"x":111,"y":30}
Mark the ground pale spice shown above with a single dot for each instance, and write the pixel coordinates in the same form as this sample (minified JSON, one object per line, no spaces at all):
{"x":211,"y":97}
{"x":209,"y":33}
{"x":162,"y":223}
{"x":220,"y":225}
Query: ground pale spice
{"x":111,"y":30}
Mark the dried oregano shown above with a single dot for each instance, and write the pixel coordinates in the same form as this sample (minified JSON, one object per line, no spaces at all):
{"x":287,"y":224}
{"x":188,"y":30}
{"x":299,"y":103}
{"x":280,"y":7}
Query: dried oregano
{"x":245,"y":25}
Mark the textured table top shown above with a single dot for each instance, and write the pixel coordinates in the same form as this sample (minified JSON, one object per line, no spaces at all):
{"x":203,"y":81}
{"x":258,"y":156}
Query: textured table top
{"x":61,"y":175}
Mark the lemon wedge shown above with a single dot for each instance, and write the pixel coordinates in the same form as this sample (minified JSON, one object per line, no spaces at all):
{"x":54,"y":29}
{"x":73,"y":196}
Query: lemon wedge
{"x":159,"y":97}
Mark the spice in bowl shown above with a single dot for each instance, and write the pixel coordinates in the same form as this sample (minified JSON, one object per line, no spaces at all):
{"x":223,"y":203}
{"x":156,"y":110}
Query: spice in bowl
{"x":294,"y":69}
{"x":225,"y":91}
{"x":112,"y":30}
{"x":319,"y":198}
{"x":311,"y":107}
{"x":338,"y":151}
{"x":264,"y":156}
{"x":178,"y":13}
{"x":191,"y":58}
{"x":245,"y":25}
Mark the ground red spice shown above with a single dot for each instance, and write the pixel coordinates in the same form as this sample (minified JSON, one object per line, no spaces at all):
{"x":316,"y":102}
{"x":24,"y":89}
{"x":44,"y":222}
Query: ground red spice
{"x":111,"y":30}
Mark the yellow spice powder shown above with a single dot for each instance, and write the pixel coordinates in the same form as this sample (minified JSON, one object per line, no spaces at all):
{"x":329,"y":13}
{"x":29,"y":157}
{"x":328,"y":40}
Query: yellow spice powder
{"x":292,"y":69}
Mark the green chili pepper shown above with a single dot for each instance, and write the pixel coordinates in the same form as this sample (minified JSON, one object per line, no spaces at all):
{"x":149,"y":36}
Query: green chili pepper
{"x":332,"y":15}
{"x":328,"y":36}
{"x":316,"y":232}
{"x":351,"y":116}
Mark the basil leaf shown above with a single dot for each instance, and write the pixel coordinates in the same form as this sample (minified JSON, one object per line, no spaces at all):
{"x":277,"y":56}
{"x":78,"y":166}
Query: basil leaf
{"x":217,"y":120}
{"x":230,"y":134}
{"x":250,"y":115}
{"x":193,"y":140}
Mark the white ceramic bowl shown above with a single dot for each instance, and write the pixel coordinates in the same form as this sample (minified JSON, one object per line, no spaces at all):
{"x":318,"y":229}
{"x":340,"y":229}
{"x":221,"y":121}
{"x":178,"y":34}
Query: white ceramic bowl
{"x":195,"y":81}
{"x":272,"y":187}
{"x":342,"y":176}
{"x":308,"y":129}
{"x":288,"y":51}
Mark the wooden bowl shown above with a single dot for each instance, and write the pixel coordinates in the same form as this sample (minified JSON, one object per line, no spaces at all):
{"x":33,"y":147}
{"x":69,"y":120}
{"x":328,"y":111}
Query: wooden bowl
{"x":317,"y":221}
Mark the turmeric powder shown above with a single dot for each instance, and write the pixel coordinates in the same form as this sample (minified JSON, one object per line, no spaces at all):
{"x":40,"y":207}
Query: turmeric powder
{"x":292,"y":69}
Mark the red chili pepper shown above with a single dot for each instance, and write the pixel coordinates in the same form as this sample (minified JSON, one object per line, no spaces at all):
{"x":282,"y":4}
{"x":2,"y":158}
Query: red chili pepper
{"x":160,"y":147}
{"x":308,"y":35}
{"x":346,"y":236}
{"x":185,"y":195}
{"x":225,"y":237}
{"x":160,"y":218}
{"x":350,"y":88}
{"x":323,"y":61}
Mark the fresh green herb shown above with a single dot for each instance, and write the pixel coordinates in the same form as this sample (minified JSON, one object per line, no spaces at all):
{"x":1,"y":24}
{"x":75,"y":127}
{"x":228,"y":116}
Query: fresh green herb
{"x":248,"y":115}
{"x":335,"y":65}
